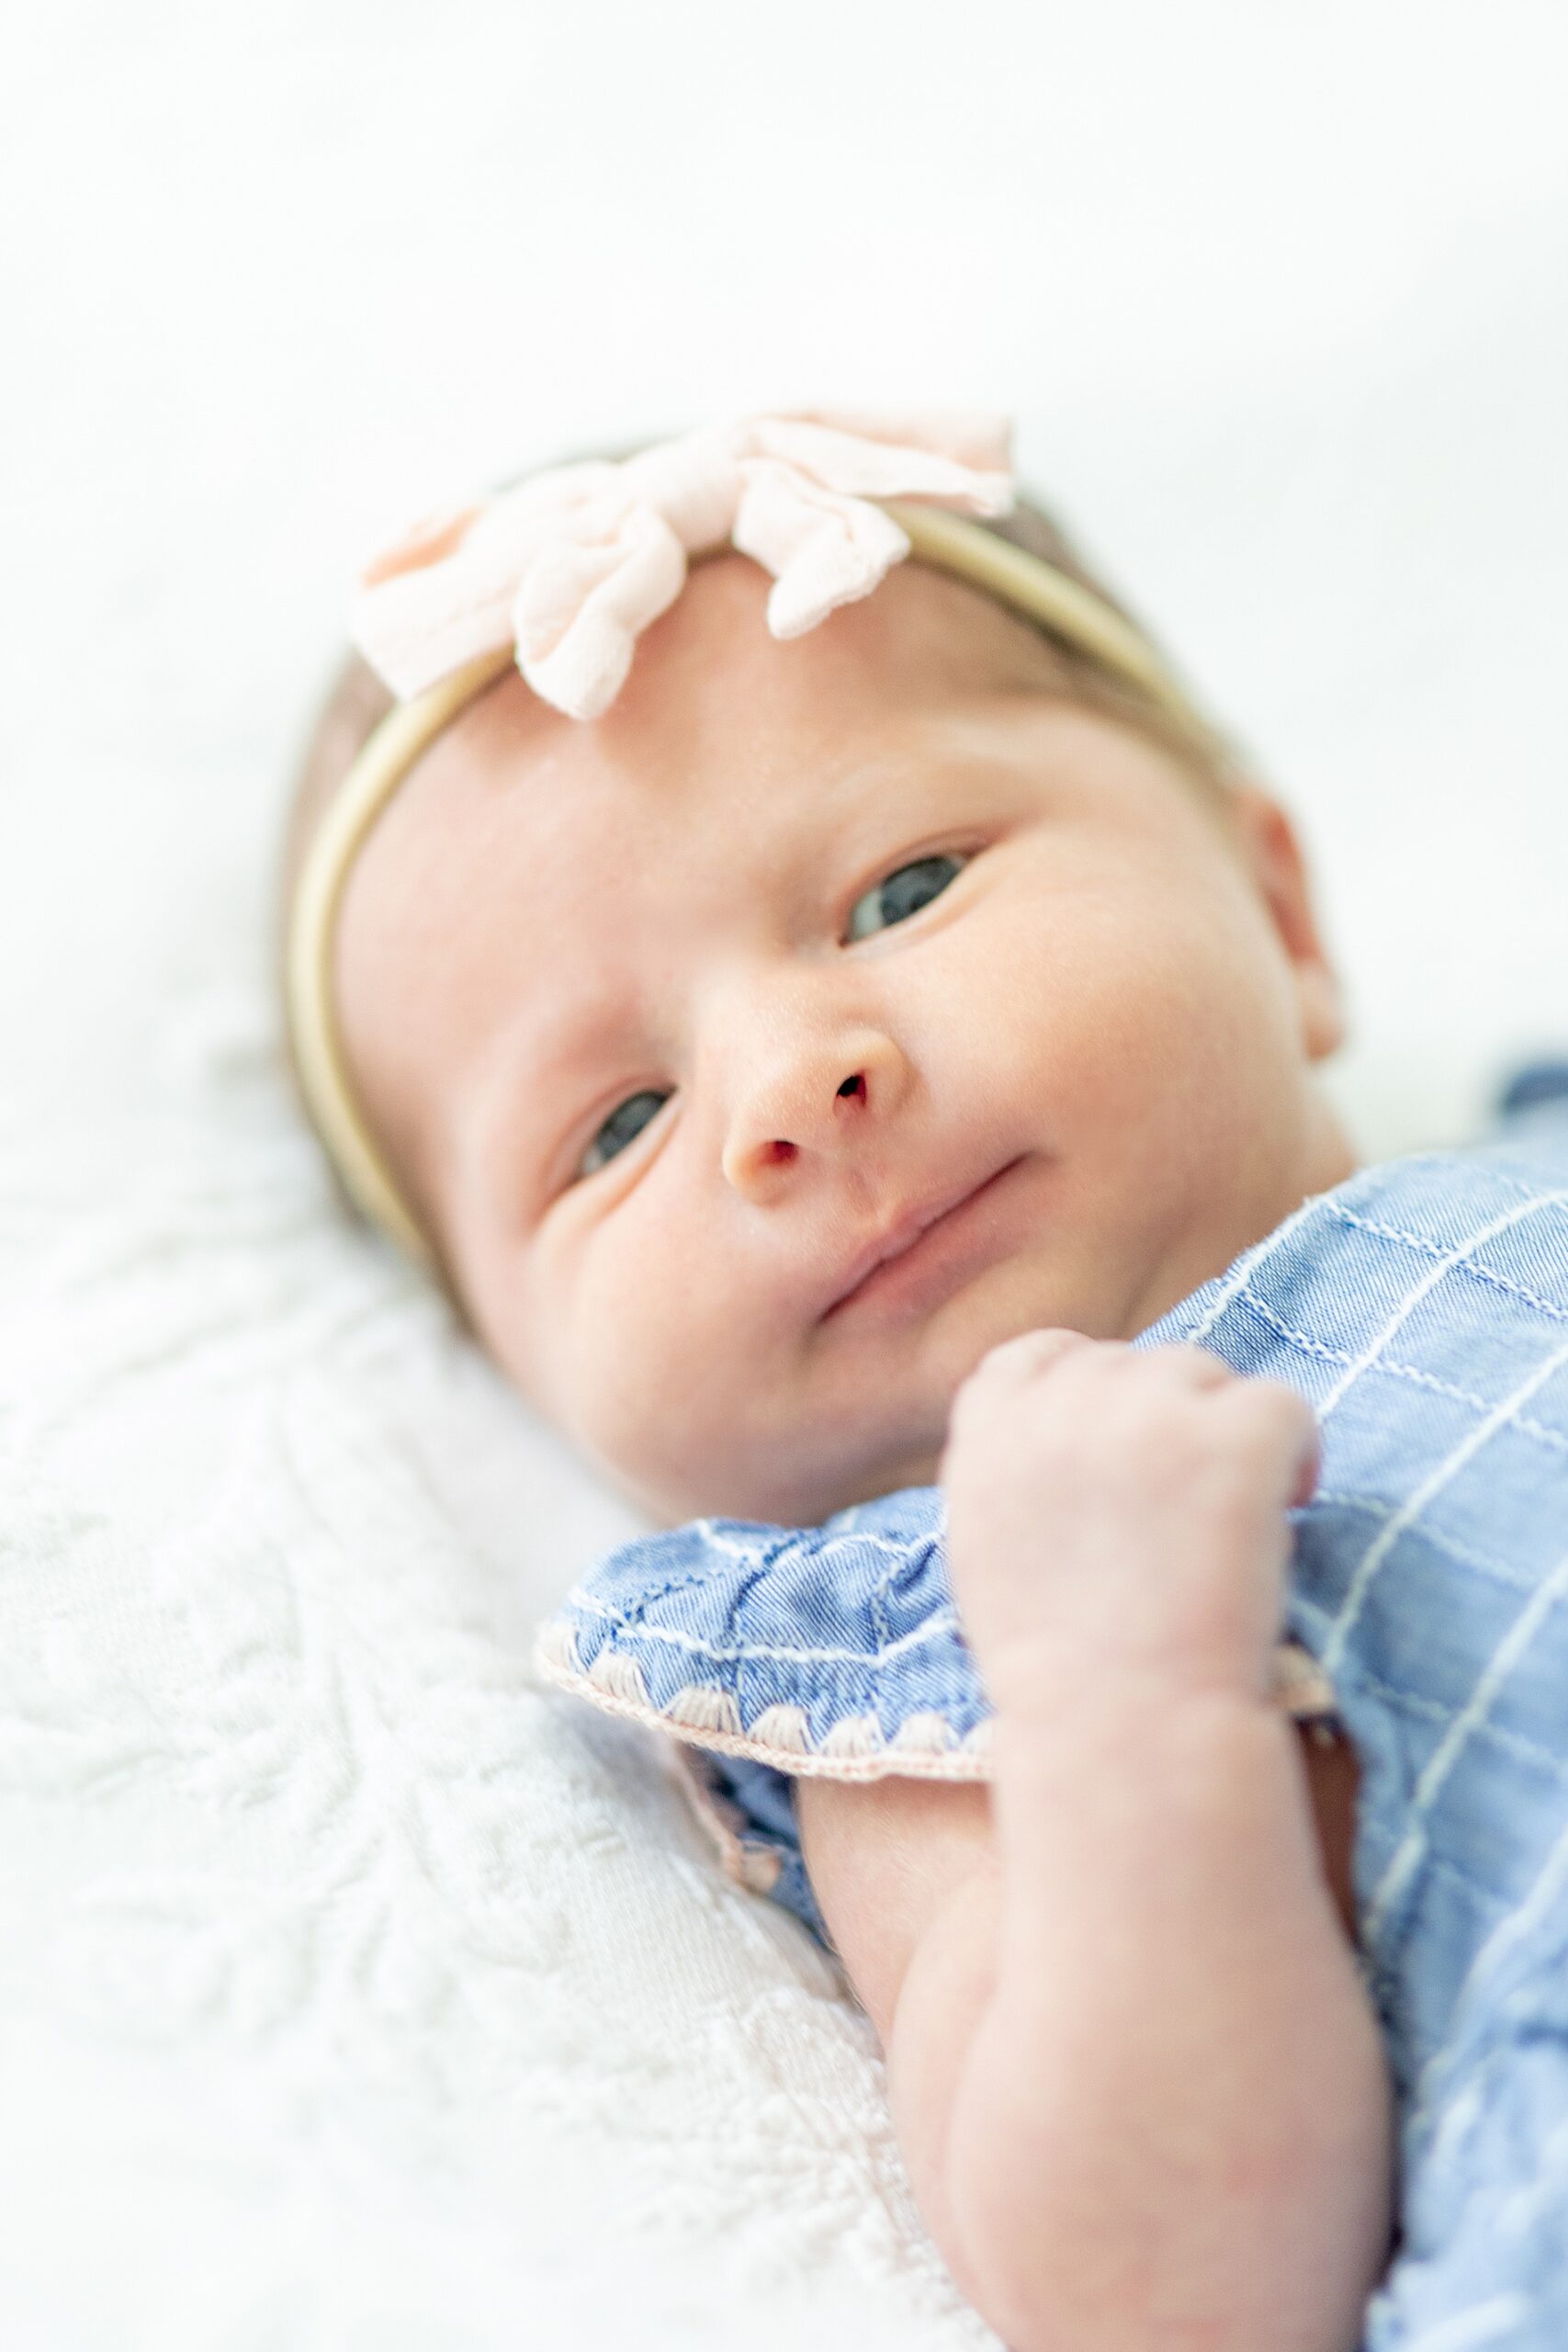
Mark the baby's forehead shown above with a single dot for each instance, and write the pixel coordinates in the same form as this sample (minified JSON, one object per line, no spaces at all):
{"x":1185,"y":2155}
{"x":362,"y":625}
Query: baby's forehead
{"x":722,"y":736}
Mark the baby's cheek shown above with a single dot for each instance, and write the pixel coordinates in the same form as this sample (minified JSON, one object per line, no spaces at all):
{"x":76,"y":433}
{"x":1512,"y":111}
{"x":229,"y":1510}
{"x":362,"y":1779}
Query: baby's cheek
{"x":649,"y":1368}
{"x":1181,"y":1008}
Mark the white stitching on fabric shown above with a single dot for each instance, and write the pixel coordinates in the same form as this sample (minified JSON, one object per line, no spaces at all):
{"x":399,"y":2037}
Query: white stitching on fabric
{"x":929,"y":1732}
{"x":944,"y":1621}
{"x":621,"y":1676}
{"x":1472,"y":1717}
{"x":1301,"y":1339}
{"x":876,"y":1600}
{"x":1424,"y":1289}
{"x":761,"y":1559}
{"x":1521,"y":1920}
{"x":1553,"y":1439}
{"x":1371,"y":1560}
{"x":926,"y":1746}
{"x":755,"y":1556}
{"x":1429,"y":1249}
{"x":557,"y":1642}
{"x":1483,"y":1899}
{"x":970,"y":1760}
{"x":902,"y":1550}
{"x":1432,"y":1711}
{"x":726,"y":1544}
{"x":854,"y":1735}
{"x":899,"y":1557}
{"x":703,"y":1708}
{"x":1497,"y":1572}
{"x":1234,"y":1285}
{"x":785,"y":1728}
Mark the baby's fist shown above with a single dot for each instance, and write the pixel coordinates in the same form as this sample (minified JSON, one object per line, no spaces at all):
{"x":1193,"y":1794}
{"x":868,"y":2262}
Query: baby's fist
{"x":1115,"y":1510}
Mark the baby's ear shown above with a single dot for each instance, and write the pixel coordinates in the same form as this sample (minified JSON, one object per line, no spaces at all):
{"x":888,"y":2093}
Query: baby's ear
{"x":1273,"y":854}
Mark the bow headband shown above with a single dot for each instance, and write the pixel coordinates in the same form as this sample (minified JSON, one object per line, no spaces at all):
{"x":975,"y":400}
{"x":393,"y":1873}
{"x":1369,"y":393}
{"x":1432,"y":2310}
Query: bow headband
{"x":563,"y":573}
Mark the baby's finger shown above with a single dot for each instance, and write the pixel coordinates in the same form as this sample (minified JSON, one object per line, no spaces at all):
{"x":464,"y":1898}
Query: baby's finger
{"x":1030,"y":1354}
{"x":1281,"y":1426}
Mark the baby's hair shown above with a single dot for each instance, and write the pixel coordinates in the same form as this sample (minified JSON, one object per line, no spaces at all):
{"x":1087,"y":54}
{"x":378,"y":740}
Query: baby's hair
{"x":357,"y":702}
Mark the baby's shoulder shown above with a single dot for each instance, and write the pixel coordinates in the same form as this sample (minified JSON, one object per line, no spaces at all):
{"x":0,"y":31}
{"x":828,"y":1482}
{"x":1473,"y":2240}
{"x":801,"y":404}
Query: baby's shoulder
{"x":1436,"y":1268}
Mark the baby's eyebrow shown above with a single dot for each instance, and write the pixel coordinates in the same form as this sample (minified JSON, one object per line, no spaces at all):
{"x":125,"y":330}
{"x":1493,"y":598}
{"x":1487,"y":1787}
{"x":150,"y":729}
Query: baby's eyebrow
{"x":562,"y":1039}
{"x":528,"y":1066}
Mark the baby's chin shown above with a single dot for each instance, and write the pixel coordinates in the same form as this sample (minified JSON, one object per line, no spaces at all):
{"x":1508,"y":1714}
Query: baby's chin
{"x":808,"y":1504}
{"x":797,"y":1483}
{"x":879,"y":1425}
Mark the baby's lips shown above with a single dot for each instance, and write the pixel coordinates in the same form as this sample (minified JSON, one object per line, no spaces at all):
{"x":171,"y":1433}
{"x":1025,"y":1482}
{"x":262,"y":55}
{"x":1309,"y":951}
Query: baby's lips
{"x":429,"y":542}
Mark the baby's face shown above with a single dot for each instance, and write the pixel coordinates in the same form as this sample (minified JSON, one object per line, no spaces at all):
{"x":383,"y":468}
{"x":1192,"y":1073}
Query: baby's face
{"x":767,"y":1050}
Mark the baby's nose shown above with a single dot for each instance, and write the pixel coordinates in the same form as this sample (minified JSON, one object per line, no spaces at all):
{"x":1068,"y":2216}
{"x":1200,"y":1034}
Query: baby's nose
{"x":821,"y":1102}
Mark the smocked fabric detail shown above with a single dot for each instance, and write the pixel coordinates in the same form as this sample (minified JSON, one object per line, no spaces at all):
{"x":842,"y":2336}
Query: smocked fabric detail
{"x":925,"y":1745}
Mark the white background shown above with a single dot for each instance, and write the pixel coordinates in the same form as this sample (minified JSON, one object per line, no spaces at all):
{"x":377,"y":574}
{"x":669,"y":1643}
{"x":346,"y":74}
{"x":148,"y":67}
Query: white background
{"x":351,"y":1995}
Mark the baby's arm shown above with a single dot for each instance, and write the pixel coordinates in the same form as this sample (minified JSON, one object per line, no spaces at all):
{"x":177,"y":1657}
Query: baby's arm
{"x":1138,"y":2082}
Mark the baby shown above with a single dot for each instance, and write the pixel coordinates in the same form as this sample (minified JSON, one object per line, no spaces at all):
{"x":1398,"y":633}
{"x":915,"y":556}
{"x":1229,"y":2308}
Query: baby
{"x":810,"y":1053}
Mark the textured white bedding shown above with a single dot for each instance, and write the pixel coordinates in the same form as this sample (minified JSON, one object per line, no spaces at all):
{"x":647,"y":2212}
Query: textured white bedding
{"x":353,"y":1992}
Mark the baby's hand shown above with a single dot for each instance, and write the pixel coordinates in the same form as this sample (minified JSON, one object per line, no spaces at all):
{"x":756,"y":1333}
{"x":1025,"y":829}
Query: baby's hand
{"x":1116,"y":1512}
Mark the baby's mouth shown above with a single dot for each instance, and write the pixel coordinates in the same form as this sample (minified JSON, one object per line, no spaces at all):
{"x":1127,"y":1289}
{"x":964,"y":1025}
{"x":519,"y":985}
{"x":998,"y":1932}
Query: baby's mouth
{"x":924,"y":1249}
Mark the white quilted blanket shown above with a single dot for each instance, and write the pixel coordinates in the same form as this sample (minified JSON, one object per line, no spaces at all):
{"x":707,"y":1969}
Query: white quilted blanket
{"x":353,"y":1990}
{"x":355,"y":1995}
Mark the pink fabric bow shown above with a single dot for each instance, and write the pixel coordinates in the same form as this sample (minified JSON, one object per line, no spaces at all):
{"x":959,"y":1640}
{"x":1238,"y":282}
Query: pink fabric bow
{"x":572,"y":564}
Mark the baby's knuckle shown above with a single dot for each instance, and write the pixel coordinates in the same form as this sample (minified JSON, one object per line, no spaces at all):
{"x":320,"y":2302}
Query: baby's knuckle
{"x":1010,"y":1380}
{"x":1176,"y":1440}
{"x":1197,"y":1367}
{"x":1266,"y":1410}
{"x":1160,"y":1407}
{"x":1031,"y":1353}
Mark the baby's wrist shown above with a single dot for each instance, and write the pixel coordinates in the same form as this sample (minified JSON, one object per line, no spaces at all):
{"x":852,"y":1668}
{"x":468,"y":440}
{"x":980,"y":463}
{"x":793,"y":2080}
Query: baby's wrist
{"x":1121,"y":1758}
{"x":1143,"y":1766}
{"x":1059,"y":1678}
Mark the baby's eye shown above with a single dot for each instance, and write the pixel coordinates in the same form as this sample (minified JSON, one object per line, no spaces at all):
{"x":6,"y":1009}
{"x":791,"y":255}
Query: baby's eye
{"x":622,"y":1126}
{"x":902,"y":894}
